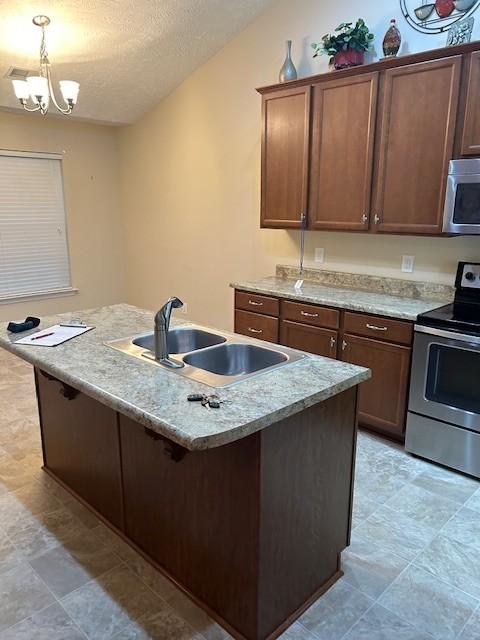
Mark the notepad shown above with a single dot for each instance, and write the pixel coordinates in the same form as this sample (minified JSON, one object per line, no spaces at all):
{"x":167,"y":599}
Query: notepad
{"x":59,"y":335}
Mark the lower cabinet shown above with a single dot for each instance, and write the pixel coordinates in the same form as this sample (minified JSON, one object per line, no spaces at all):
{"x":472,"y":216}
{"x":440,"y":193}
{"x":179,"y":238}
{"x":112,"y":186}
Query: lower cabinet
{"x":205,"y":495}
{"x":81,"y":445}
{"x":378,"y":343}
{"x":382,"y":399}
{"x":322,"y":342}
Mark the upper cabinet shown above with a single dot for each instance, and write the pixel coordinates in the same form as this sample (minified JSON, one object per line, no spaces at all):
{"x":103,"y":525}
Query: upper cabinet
{"x":417,"y":133}
{"x":343,"y":135}
{"x":367,"y":149}
{"x":471,"y":130}
{"x":285,"y":157}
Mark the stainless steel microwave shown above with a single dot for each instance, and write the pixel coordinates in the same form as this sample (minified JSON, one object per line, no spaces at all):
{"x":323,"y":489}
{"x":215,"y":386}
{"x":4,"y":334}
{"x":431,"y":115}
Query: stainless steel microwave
{"x":462,"y":202}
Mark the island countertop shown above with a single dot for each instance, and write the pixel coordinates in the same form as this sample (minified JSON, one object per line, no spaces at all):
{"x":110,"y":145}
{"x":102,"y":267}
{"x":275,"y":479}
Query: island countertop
{"x":157,"y":398}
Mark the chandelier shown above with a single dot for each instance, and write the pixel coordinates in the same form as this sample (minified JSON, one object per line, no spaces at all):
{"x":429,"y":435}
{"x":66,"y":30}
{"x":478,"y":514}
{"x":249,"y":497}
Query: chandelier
{"x":35,"y":92}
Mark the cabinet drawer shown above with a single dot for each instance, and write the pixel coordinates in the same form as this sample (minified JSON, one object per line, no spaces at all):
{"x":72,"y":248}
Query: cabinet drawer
{"x":256,"y":326}
{"x":377,"y":327}
{"x":310,"y":314}
{"x":256,"y":304}
{"x":322,"y":342}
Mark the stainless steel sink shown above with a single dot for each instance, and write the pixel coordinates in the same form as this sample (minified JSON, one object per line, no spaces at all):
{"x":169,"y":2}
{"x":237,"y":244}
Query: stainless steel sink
{"x":182,"y":340}
{"x":215,"y":358}
{"x":235,"y":359}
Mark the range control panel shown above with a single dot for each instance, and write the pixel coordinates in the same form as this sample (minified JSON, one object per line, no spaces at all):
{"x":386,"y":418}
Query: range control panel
{"x":471,"y":276}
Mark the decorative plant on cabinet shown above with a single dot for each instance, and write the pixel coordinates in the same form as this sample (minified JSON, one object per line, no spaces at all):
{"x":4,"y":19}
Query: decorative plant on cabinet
{"x":347,"y":46}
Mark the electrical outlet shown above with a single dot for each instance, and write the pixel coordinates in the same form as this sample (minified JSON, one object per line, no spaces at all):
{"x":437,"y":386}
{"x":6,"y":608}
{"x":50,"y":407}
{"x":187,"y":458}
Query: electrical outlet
{"x":408,"y":264}
{"x":184,"y":309}
{"x":319,"y":255}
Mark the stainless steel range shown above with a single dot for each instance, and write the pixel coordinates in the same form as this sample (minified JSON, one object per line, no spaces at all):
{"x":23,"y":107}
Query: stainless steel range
{"x":443,"y":422}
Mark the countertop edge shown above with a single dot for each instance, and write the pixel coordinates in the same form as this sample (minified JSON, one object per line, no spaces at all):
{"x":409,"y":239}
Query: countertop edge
{"x":350,"y":306}
{"x":169,"y":431}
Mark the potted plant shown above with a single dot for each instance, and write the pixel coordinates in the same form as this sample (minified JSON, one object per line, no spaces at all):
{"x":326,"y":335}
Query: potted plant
{"x":347,"y":46}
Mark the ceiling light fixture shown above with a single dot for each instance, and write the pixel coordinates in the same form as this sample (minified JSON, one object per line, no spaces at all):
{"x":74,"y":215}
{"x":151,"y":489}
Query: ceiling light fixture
{"x":39,"y":88}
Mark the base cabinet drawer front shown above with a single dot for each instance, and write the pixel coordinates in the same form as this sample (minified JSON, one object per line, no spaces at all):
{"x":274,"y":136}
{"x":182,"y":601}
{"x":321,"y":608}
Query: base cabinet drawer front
{"x":310,"y":314}
{"x":81,"y":445}
{"x":322,"y":342}
{"x":255,"y":325}
{"x":257,"y":304}
{"x":382,"y":400}
{"x":378,"y":327}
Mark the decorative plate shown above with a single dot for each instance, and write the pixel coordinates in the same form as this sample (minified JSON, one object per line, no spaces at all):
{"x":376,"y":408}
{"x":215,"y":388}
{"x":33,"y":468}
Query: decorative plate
{"x":436,"y":16}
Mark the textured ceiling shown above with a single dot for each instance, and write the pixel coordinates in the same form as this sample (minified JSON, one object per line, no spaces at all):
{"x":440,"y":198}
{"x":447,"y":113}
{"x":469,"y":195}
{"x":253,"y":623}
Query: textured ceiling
{"x":126,"y":54}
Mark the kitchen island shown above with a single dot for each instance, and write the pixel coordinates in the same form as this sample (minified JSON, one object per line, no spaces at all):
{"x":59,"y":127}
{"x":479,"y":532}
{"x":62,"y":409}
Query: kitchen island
{"x":247,"y":507}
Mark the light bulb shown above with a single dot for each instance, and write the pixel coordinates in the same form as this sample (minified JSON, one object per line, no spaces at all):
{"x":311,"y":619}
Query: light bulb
{"x":38,"y":87}
{"x":21,"y":88}
{"x":69,"y":89}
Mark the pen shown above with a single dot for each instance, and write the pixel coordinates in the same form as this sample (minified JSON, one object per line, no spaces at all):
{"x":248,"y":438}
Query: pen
{"x":45,"y":335}
{"x":74,"y":326}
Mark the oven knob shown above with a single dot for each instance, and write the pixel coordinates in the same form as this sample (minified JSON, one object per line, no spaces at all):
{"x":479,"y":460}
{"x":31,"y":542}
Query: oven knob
{"x":470,"y":276}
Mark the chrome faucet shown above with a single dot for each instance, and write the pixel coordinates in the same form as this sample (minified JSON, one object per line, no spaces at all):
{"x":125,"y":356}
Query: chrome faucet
{"x":162,"y":325}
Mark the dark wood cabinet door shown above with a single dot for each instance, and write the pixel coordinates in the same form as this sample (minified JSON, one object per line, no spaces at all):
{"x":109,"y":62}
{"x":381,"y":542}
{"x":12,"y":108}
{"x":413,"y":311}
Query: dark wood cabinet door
{"x":196,"y":516}
{"x":417,"y":129}
{"x":255,"y":325}
{"x":322,"y":342}
{"x":343,"y":132}
{"x":382,"y":400}
{"x":471,"y":130}
{"x":285,"y":151}
{"x":81,"y":445}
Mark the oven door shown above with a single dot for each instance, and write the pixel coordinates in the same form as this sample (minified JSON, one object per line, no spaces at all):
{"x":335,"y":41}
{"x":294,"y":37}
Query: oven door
{"x":445,"y":382}
{"x":462,"y":204}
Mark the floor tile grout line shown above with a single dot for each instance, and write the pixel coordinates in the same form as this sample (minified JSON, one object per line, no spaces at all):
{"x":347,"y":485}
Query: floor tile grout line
{"x":26,"y":618}
{"x":377,"y":601}
{"x":157,"y":595}
{"x":474,"y":612}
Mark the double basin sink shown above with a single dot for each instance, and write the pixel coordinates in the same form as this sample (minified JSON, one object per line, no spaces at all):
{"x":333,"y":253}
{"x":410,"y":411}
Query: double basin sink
{"x":212,"y":357}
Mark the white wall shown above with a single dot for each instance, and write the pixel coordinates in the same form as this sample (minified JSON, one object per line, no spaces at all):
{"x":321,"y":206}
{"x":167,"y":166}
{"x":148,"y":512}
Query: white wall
{"x":91,"y":184}
{"x":191,"y":173}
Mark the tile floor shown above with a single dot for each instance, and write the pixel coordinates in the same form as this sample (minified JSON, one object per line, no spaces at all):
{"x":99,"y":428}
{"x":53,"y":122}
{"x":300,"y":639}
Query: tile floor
{"x":411,"y":573}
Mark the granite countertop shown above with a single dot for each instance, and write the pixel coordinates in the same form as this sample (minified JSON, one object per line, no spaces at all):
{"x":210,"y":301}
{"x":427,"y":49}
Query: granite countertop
{"x":382,"y":304}
{"x":157,"y":398}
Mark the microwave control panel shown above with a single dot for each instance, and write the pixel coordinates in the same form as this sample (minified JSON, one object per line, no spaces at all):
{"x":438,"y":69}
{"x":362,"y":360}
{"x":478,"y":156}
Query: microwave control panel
{"x":471,"y":276}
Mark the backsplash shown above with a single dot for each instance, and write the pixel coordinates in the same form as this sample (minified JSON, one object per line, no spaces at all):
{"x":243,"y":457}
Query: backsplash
{"x":377,"y":284}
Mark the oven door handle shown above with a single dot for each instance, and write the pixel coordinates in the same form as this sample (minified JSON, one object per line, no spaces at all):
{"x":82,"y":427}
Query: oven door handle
{"x":450,"y":335}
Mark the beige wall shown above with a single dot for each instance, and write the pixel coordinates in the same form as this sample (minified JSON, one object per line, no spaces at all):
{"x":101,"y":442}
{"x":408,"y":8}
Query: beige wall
{"x":191,"y":176}
{"x":91,"y":181}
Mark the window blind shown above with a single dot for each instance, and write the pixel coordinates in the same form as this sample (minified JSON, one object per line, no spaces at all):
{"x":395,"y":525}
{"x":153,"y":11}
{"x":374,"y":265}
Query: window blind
{"x":33,"y":236}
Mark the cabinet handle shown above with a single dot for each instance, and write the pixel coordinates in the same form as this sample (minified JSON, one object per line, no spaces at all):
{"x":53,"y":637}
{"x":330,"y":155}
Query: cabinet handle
{"x":333,"y":342}
{"x":364,"y":218}
{"x":374,"y":328}
{"x":376,"y":219}
{"x":255,"y":330}
{"x":255,"y":304}
{"x":309,"y":315}
{"x":344,"y":345}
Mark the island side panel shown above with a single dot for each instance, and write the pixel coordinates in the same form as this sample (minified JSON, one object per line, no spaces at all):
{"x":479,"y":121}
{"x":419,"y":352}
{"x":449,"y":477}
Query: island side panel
{"x":80,"y":441}
{"x":307,"y":466}
{"x":197,"y":518}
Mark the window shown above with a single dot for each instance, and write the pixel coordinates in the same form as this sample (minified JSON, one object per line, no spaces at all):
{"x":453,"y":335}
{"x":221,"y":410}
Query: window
{"x":34,"y":256}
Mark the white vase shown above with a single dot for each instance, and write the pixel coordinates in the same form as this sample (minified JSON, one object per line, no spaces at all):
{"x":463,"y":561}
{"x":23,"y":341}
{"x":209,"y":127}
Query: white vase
{"x":288,"y":71}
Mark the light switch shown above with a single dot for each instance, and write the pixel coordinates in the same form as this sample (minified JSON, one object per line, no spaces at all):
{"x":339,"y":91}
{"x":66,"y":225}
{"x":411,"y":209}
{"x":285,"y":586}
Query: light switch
{"x":408,"y":264}
{"x":319,"y":255}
